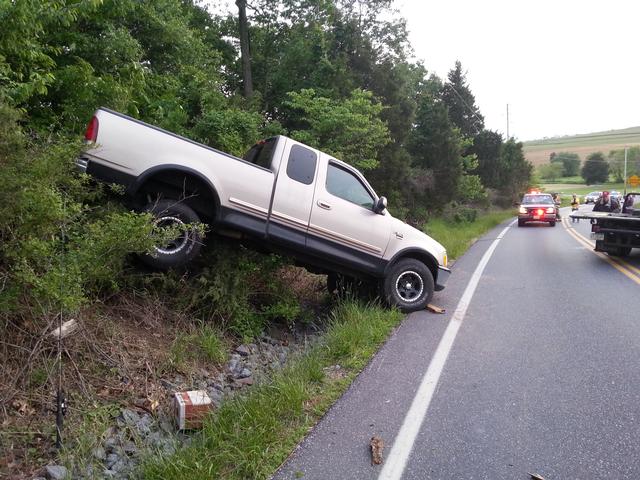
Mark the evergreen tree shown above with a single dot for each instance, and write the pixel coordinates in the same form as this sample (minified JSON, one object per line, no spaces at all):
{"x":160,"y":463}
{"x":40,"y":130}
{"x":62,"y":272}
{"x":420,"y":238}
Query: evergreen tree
{"x":436,"y":147}
{"x":463,"y":111}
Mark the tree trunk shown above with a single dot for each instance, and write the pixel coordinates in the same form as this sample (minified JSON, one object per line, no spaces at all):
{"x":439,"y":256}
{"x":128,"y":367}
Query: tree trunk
{"x":244,"y":48}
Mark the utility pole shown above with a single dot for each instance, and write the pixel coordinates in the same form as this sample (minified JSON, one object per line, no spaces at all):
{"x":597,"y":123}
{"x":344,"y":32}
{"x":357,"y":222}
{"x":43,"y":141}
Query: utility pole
{"x":625,"y":170}
{"x":507,"y":122}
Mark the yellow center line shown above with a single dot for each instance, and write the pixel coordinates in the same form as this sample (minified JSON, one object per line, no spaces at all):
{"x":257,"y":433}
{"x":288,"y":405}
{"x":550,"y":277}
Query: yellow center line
{"x":617,"y":263}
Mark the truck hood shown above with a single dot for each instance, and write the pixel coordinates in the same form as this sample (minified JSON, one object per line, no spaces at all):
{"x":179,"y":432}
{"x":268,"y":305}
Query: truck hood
{"x":415,"y":238}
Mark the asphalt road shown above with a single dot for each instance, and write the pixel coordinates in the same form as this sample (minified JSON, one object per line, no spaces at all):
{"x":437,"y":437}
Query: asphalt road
{"x":543,"y":376}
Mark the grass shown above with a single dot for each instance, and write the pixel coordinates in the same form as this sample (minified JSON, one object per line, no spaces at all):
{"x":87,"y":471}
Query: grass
{"x":204,"y":343}
{"x":457,"y":237}
{"x":251,"y":435}
{"x":538,"y":151}
{"x":89,"y":429}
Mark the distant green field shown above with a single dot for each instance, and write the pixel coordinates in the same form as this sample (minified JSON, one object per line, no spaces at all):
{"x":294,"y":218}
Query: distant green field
{"x":538,"y":151}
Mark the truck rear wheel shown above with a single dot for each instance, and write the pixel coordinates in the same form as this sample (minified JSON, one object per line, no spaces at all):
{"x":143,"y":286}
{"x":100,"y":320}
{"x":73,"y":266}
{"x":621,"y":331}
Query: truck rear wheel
{"x":409,"y":285}
{"x":185,"y":247}
{"x":622,"y":252}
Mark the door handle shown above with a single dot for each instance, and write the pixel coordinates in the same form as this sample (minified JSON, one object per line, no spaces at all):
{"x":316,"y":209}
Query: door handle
{"x":324,"y":205}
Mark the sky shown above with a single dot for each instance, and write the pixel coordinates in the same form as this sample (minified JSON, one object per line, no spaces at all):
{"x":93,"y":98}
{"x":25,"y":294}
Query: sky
{"x":564,"y":67}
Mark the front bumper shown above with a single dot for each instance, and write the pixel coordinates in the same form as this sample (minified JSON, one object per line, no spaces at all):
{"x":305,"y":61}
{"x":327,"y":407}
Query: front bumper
{"x":443,"y":275}
{"x":547,"y":217}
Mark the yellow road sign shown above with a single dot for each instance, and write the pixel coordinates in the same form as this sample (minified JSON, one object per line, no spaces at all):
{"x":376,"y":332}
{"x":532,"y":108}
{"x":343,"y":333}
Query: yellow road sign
{"x":634,"y":180}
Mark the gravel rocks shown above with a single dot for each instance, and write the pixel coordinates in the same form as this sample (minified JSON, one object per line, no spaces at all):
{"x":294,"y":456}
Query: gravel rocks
{"x":56,"y":472}
{"x":243,"y":350}
{"x":137,"y":433}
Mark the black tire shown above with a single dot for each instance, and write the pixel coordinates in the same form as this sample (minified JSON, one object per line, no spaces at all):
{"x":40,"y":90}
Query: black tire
{"x":416,"y":293}
{"x":181,"y":250}
{"x":521,"y":223}
{"x":622,"y":252}
{"x":552,"y":224}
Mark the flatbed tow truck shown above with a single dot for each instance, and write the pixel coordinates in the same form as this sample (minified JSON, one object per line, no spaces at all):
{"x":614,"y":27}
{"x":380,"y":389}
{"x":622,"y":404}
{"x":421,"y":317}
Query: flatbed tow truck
{"x":616,"y":233}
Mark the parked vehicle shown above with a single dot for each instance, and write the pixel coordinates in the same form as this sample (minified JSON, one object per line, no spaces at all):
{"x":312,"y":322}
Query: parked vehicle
{"x":617,"y":195}
{"x":537,"y":207}
{"x":592,"y":197}
{"x":616,"y":233}
{"x":283,"y":196}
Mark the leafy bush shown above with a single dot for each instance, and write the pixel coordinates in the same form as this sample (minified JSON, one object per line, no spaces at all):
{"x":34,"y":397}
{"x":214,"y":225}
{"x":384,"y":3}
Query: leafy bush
{"x":58,"y":250}
{"x":237,"y":288}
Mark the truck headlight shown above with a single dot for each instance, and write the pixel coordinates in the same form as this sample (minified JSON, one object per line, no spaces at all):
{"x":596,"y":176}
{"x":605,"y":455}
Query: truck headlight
{"x":522,"y":210}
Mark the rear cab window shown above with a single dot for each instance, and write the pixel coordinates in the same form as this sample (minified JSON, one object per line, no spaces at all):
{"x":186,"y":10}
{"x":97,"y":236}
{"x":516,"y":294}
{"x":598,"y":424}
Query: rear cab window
{"x":301,"y":166}
{"x":260,"y":154}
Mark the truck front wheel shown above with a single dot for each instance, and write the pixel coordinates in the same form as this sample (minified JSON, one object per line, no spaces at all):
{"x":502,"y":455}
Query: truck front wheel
{"x":409,"y":285}
{"x":180,"y":250}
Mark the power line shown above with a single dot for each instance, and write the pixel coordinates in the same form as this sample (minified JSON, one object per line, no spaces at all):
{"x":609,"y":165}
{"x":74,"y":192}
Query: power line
{"x":473,"y":112}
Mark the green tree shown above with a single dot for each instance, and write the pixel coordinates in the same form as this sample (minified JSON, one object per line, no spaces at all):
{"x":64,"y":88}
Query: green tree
{"x":595,"y":169}
{"x":616,"y":162}
{"x":436,"y":146}
{"x":570,"y":163}
{"x":517,"y":170}
{"x":350,"y":129}
{"x":487,"y":146}
{"x":551,"y":171}
{"x":463,"y":111}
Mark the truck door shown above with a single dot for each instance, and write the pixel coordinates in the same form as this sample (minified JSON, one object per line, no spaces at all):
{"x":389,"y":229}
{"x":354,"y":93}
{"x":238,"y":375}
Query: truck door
{"x":343,"y":225}
{"x":293,"y":195}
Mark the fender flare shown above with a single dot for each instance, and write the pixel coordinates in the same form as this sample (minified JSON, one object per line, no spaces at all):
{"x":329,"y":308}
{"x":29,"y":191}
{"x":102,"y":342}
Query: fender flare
{"x":418,"y":254}
{"x":140,"y":180}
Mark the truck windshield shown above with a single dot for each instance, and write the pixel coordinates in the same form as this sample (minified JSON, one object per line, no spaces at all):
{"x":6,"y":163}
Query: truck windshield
{"x":538,"y":199}
{"x":260,"y":154}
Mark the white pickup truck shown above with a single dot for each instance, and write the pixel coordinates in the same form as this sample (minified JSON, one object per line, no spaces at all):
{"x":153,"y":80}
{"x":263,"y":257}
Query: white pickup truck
{"x":285,"y":196}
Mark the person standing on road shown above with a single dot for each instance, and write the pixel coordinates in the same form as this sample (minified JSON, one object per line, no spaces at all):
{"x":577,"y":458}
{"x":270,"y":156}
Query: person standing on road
{"x":557,"y":202}
{"x":575,"y":204}
{"x":606,"y":203}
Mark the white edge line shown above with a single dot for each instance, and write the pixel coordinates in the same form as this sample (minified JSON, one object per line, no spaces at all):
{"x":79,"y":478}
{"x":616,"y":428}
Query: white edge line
{"x":404,"y":441}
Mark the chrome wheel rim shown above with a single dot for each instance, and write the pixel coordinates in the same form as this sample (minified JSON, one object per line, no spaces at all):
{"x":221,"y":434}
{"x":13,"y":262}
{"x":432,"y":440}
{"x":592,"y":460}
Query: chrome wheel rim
{"x":409,"y":286}
{"x":177,"y":244}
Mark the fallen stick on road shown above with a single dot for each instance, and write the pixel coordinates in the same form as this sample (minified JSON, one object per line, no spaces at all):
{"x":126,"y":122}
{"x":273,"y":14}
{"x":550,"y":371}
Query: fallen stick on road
{"x":434,"y":309}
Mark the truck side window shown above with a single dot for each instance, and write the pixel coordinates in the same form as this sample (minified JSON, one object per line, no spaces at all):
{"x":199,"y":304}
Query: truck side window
{"x":346,"y":185}
{"x":301,"y":166}
{"x":260,"y":154}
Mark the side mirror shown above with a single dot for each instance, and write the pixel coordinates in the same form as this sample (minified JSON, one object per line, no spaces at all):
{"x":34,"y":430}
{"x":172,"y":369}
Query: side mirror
{"x":380,"y":205}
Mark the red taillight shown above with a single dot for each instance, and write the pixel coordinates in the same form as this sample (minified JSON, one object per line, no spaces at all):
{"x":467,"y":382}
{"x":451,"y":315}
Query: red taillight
{"x":92,"y":130}
{"x":540,"y":211}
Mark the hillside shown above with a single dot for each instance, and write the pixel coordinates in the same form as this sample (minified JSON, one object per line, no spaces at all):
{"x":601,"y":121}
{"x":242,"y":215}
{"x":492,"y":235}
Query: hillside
{"x":538,"y":151}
